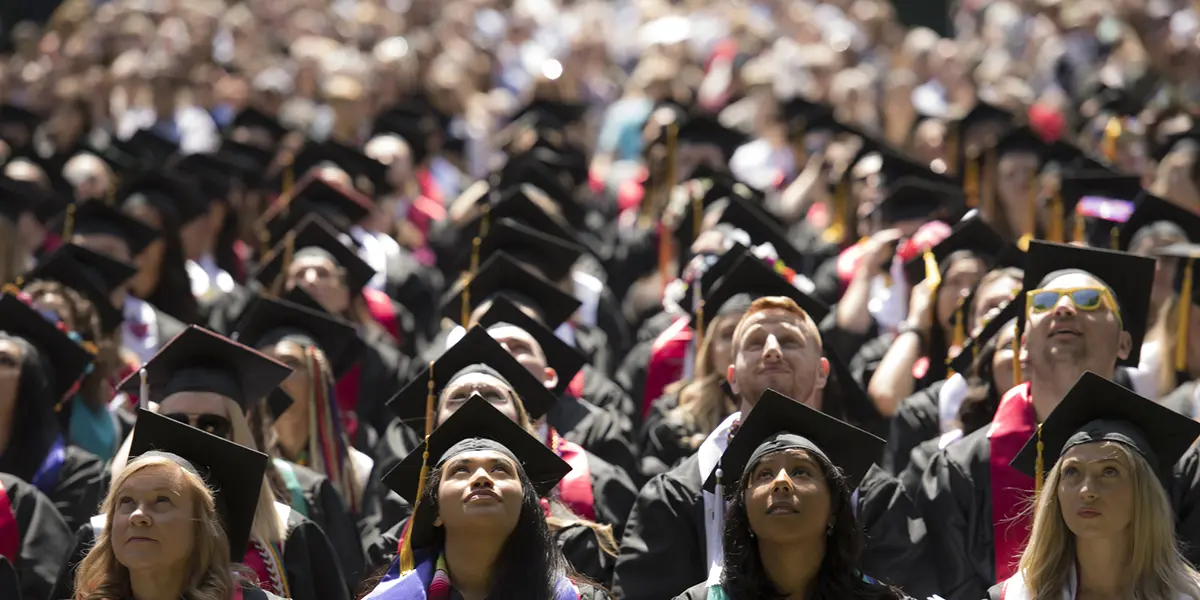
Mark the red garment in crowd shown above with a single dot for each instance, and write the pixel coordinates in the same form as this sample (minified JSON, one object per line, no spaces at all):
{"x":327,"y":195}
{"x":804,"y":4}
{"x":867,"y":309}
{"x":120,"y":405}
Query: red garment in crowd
{"x":666,"y":361}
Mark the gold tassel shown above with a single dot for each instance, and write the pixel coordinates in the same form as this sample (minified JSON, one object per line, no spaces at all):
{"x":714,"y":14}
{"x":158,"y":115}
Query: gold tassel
{"x":932,"y":274}
{"x":1032,"y":206}
{"x":264,"y":242}
{"x":971,"y":181}
{"x":1080,"y":232}
{"x":1185,"y":307}
{"x":987,"y":185}
{"x":1114,"y":238}
{"x":1040,"y":465}
{"x":289,"y":180}
{"x":836,"y":232}
{"x":959,"y":337}
{"x":952,"y":151}
{"x":1058,"y":230}
{"x":697,"y":216}
{"x":672,"y":142}
{"x":289,"y":248}
{"x":1112,"y":134}
{"x":473,"y":268}
{"x":1018,"y":378}
{"x":68,"y":223}
{"x":406,"y":551}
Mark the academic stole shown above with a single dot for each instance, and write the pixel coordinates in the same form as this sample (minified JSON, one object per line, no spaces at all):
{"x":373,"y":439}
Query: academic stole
{"x":1015,"y":423}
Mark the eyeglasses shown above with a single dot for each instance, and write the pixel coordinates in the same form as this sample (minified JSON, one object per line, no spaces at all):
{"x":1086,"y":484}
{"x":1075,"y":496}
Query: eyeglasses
{"x":1084,"y":298}
{"x":214,"y":424}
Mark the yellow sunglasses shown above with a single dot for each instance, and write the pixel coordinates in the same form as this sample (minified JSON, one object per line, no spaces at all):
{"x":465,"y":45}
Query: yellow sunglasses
{"x":1084,"y":298}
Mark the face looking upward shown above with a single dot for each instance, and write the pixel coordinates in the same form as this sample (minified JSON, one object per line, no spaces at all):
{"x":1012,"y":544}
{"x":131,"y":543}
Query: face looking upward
{"x":479,"y":492}
{"x":523,"y":347}
{"x":495,"y":391}
{"x":780,"y":350}
{"x":788,"y":498}
{"x":321,"y":279}
{"x":960,"y":276}
{"x":1096,"y":490}
{"x":153,"y":522}
{"x":1065,"y":334}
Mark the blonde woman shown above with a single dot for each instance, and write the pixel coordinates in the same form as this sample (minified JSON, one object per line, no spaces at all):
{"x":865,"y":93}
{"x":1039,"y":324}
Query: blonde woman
{"x":1103,"y":524}
{"x":208,"y":381}
{"x":165,"y":538}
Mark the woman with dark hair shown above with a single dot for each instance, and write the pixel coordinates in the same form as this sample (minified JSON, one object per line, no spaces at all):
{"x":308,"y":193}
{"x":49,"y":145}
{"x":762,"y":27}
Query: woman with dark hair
{"x":168,"y":203}
{"x":39,"y":367}
{"x":478,"y":529}
{"x":790,"y":525}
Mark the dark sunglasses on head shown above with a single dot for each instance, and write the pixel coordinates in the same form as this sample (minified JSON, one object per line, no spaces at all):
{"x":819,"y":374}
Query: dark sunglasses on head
{"x":214,"y":424}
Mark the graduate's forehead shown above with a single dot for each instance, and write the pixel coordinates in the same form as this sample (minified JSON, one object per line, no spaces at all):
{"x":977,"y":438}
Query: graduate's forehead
{"x":1073,"y":280}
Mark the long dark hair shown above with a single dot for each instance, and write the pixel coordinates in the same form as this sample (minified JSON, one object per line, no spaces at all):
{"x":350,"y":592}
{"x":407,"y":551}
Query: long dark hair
{"x":530,"y":562}
{"x":840,"y":575}
{"x":983,"y":397}
{"x":173,"y":292}
{"x":939,"y":338}
{"x":34,"y":427}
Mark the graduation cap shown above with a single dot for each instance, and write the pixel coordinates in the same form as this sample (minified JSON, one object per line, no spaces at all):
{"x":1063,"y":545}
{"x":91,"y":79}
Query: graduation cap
{"x":553,"y":114}
{"x":751,"y":278}
{"x":541,"y":168}
{"x":973,"y":235}
{"x":706,"y":130}
{"x":553,"y":256}
{"x":234,"y":473}
{"x":985,"y":112}
{"x":268,"y":321}
{"x":252,"y":118}
{"x":90,"y":273}
{"x":1097,"y":220}
{"x":515,"y":204}
{"x":1151,"y":209}
{"x":1171,"y":141}
{"x":475,"y":426}
{"x":341,"y":207}
{"x":67,"y":359}
{"x":564,"y":358}
{"x":170,"y":192}
{"x":965,"y":360}
{"x":251,"y":161}
{"x":364,"y":170}
{"x":215,"y":173}
{"x":503,"y":273}
{"x":150,"y":147}
{"x":314,"y":233}
{"x":199,"y":360}
{"x":98,"y":218}
{"x":1129,"y":277}
{"x":414,"y":124}
{"x":756,"y":223}
{"x":19,"y":197}
{"x":780,"y":423}
{"x":475,"y":348}
{"x":11,"y":114}
{"x":1098,"y":410}
{"x":915,"y":198}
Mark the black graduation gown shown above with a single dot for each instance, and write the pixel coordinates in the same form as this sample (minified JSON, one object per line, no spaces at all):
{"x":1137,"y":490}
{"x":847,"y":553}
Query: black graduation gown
{"x":666,"y":440}
{"x":598,"y":431}
{"x":602,"y":392}
{"x":382,"y":370}
{"x":325,"y":507}
{"x":916,"y":421}
{"x":631,"y":375}
{"x":312,"y":570}
{"x":396,"y":441}
{"x":593,"y":342}
{"x":417,"y":288}
{"x":613,"y":323}
{"x":866,"y":361}
{"x":82,"y":484}
{"x":816,"y":250}
{"x":45,"y":539}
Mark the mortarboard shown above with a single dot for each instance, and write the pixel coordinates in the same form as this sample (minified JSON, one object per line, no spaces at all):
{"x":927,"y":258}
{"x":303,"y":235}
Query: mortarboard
{"x":90,"y":273}
{"x":963,"y":362}
{"x":11,"y":114}
{"x":1098,"y":410}
{"x":503,"y":273}
{"x":1129,"y":277}
{"x":741,"y":214}
{"x":341,"y":207}
{"x":515,"y":204}
{"x":151,"y":148}
{"x":972,"y":234}
{"x":473,"y":427}
{"x":269,"y":320}
{"x":553,"y":114}
{"x":985,"y":112}
{"x":170,"y":192}
{"x":475,"y":348}
{"x":252,"y":161}
{"x":1021,"y":140}
{"x":1096,"y":222}
{"x":67,"y":359}
{"x":705,"y":130}
{"x":412,"y":124}
{"x":564,"y":358}
{"x":214,"y":173}
{"x":914,"y":198}
{"x":538,"y":168}
{"x":233,"y":472}
{"x":781,"y":423}
{"x":369,"y":175}
{"x":252,"y":118}
{"x":199,"y":360}
{"x":1151,"y":209}
{"x":553,"y":256}
{"x":98,"y":218}
{"x":718,"y":269}
{"x":18,"y":197}
{"x":751,"y":277}
{"x":1171,"y":141}
{"x":313,"y":232}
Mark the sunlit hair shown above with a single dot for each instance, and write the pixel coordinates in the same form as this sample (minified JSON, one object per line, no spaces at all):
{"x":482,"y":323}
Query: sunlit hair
{"x":80,"y":316}
{"x":702,"y":403}
{"x":782,"y":303}
{"x":267,"y":525}
{"x":1159,"y":570}
{"x":209,"y":572}
{"x":1163,"y":334}
{"x":12,"y":258}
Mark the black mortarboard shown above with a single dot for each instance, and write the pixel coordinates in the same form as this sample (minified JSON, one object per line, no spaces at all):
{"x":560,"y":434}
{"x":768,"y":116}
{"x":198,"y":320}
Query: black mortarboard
{"x":475,"y":426}
{"x":553,"y":256}
{"x":68,"y":360}
{"x":341,"y":207}
{"x":1129,"y":277}
{"x":985,"y":112}
{"x":233,"y":472}
{"x":753,"y":278}
{"x":914,"y":198}
{"x":150,"y":147}
{"x":369,"y":175}
{"x":896,"y":166}
{"x":115,"y":154}
{"x":1023,"y":140}
{"x":167,"y":191}
{"x":1099,"y":410}
{"x":269,"y":320}
{"x":970,"y":348}
{"x":252,"y":118}
{"x":415,"y":125}
{"x":251,"y":160}
{"x":314,"y":232}
{"x":531,"y":169}
{"x":515,"y":204}
{"x":503,"y":273}
{"x":199,"y":360}
{"x":1161,"y":150}
{"x":553,"y":114}
{"x":1152,"y":209}
{"x":781,"y":423}
{"x":214,"y":173}
{"x":90,"y":273}
{"x":98,"y":218}
{"x":741,"y":214}
{"x":16,"y":198}
{"x":1099,"y":223}
{"x":11,"y":114}
{"x":564,"y":358}
{"x":972,"y":234}
{"x":719,"y":269}
{"x":475,"y":348}
{"x":705,"y":130}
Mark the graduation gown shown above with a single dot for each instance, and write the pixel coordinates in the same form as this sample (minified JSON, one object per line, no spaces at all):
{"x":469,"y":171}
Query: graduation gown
{"x":315,"y":498}
{"x":599,"y":431}
{"x":665,"y":439}
{"x":41,"y":537}
{"x":601,"y":391}
{"x":366,"y":387}
{"x":308,"y":559}
{"x":81,"y":486}
{"x":593,"y":342}
{"x":915,"y":422}
{"x":146,"y":328}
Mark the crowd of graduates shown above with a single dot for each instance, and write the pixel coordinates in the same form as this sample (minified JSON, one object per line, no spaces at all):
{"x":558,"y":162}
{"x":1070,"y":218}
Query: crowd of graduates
{"x":646,"y":301}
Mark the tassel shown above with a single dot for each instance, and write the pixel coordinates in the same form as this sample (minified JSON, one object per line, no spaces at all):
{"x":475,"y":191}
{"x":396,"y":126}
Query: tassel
{"x":697,"y":216}
{"x":952,"y":151}
{"x":959,"y":337}
{"x":1080,"y":232}
{"x":406,"y":551}
{"x":932,"y":273}
{"x":264,"y":242}
{"x":143,"y":390}
{"x":987,"y":185}
{"x":289,"y":180}
{"x":1185,"y":307}
{"x":68,"y":223}
{"x":836,"y":232}
{"x":1058,"y":230}
{"x":1018,"y":378}
{"x":1114,"y":238}
{"x":971,"y":181}
{"x":1112,"y":134}
{"x":1040,"y":466}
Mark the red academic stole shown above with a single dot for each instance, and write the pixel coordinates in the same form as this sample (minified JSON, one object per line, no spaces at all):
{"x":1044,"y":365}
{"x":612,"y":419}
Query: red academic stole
{"x":666,"y":361}
{"x":575,"y":387}
{"x":346,"y":393}
{"x":1014,"y":424}
{"x":10,"y":532}
{"x":575,"y":490}
{"x":380,"y":306}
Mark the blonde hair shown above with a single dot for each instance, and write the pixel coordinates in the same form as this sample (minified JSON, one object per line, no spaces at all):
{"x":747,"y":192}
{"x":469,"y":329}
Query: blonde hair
{"x":267,"y":525}
{"x":210,"y":573}
{"x":702,"y":403}
{"x":1163,"y":333}
{"x":1159,"y":570}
